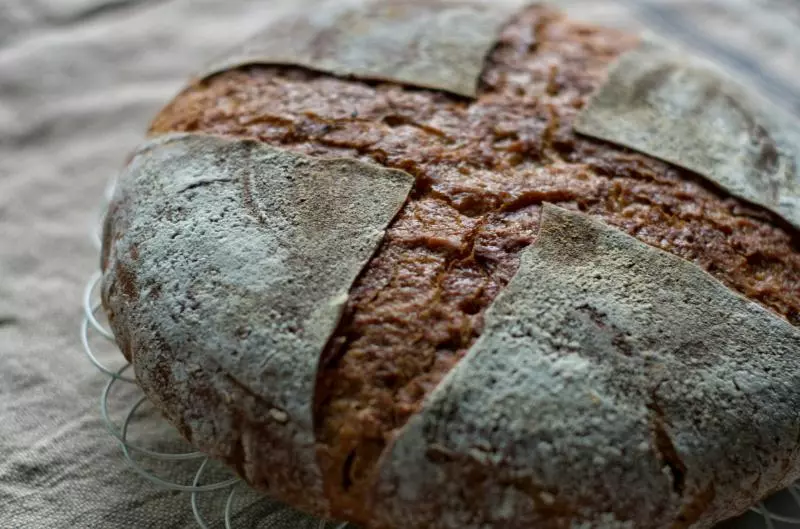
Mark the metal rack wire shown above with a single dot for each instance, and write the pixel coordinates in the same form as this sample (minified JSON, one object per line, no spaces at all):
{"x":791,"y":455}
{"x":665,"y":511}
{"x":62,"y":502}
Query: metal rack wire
{"x":782,"y":511}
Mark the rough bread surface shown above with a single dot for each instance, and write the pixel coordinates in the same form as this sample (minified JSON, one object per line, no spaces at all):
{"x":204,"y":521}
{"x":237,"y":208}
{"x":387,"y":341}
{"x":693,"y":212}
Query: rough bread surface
{"x":239,"y":258}
{"x":483,"y":168}
{"x":612,"y":381}
{"x":685,"y":111}
{"x":440,"y":45}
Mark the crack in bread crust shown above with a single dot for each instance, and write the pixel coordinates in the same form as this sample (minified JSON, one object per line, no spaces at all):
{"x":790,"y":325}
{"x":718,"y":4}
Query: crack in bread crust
{"x":483,"y":168}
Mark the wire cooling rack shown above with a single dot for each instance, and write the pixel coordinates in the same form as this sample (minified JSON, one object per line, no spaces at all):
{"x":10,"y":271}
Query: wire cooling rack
{"x":781,"y":511}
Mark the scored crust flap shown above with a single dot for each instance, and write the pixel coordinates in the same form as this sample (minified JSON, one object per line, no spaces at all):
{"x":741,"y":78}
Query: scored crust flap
{"x":434,"y":44}
{"x":686,"y":111}
{"x":615,"y":385}
{"x":229,"y":271}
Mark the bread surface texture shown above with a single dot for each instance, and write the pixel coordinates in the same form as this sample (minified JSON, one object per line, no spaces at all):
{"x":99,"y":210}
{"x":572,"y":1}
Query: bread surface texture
{"x":469,"y":184}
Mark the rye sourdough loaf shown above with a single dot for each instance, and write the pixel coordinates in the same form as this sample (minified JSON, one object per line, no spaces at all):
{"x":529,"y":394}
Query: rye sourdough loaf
{"x":452,"y":264}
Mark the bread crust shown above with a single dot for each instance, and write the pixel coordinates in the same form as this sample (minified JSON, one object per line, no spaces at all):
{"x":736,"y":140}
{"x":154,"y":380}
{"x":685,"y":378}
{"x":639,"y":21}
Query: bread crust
{"x":483,"y":170}
{"x":229,"y":266}
{"x":615,"y":385}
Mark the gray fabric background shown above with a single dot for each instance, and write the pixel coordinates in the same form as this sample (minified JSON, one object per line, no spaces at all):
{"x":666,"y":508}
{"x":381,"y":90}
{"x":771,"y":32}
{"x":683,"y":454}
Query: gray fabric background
{"x":79,"y":80}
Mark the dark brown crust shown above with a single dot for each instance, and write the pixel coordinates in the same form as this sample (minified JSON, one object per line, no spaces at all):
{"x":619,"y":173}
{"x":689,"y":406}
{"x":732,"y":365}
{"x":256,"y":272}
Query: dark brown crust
{"x":483,"y":168}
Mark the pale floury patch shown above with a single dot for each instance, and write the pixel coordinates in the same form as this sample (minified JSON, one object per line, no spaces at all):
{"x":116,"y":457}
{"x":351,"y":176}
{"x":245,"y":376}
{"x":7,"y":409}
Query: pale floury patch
{"x":229,"y":267}
{"x":614,"y":384}
{"x":439,"y":45}
{"x":661,"y":102}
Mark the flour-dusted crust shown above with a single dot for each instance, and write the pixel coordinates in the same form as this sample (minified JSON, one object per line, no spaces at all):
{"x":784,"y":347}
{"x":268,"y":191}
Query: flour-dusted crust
{"x":440,"y":45}
{"x":614,"y":385}
{"x":687,"y":112}
{"x":228,"y":265}
{"x":238,"y":302}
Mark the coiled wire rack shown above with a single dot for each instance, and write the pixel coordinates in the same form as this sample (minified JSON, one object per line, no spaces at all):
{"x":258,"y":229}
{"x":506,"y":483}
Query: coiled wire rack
{"x":781,"y":511}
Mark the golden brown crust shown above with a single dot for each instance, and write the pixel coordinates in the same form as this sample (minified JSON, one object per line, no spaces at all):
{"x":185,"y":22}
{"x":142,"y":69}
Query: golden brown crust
{"x":483,"y":169}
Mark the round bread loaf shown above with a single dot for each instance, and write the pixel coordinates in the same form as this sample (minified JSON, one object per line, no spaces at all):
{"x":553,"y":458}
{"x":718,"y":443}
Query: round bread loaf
{"x":453,"y":280}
